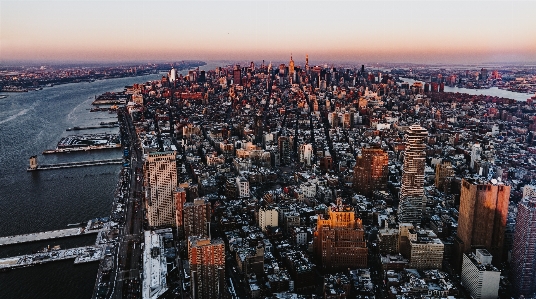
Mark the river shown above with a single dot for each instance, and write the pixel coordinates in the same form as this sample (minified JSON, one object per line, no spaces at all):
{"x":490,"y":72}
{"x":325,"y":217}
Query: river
{"x":30,"y":202}
{"x":493,"y":91}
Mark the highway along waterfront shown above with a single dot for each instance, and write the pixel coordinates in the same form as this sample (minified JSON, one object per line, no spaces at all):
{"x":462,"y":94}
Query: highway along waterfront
{"x":37,"y":201}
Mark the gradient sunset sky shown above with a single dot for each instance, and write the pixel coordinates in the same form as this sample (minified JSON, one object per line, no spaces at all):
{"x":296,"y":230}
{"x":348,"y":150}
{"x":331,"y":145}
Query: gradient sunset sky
{"x":363,"y":31}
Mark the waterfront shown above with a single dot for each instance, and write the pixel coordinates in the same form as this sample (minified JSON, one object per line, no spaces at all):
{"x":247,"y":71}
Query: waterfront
{"x":40,"y":201}
{"x":493,"y":91}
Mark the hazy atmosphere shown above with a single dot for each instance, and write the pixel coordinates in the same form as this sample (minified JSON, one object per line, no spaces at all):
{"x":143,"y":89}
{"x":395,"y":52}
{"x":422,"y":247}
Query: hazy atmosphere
{"x":379,"y":31}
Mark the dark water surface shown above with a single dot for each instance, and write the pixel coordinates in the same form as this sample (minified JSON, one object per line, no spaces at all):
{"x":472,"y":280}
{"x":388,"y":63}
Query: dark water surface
{"x":45,"y":200}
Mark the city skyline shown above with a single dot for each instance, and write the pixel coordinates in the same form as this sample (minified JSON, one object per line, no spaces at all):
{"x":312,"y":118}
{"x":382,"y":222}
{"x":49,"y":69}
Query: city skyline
{"x":364,"y":31}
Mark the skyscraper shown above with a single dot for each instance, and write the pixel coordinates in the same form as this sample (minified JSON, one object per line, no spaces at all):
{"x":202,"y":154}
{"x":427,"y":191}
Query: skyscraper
{"x":207,"y":267}
{"x":339,"y":239}
{"x":482,"y":219}
{"x":412,"y":191}
{"x":370,"y":171}
{"x":160,"y":172}
{"x":524,"y":249}
{"x":291,"y":66}
{"x":237,"y":75}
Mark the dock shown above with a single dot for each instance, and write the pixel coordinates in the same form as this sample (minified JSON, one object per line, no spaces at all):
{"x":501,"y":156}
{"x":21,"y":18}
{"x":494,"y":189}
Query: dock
{"x":53,"y":234}
{"x":74,"y":164}
{"x":86,"y":142}
{"x":80,"y":254}
{"x":91,"y":127}
{"x":81,"y":149}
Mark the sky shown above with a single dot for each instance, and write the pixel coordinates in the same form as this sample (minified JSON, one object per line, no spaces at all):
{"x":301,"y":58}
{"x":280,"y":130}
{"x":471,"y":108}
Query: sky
{"x":361,"y":31}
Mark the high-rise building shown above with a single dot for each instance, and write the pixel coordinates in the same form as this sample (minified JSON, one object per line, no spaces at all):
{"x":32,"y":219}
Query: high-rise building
{"x":412,"y":192}
{"x":268,"y":217}
{"x":283,"y":143}
{"x":479,"y":277}
{"x":242,"y":185}
{"x":444,"y":173}
{"x":196,"y":215}
{"x":291,"y":66}
{"x":172,"y":75}
{"x":426,"y":250}
{"x":523,"y":261}
{"x":306,"y":153}
{"x":339,"y":239}
{"x":529,"y":191}
{"x":388,"y":241}
{"x":370,"y":171}
{"x":482,"y":217}
{"x":476,"y":151}
{"x":160,"y":173}
{"x":207,"y":267}
{"x":237,"y":75}
{"x":180,"y":200}
{"x":483,"y":74}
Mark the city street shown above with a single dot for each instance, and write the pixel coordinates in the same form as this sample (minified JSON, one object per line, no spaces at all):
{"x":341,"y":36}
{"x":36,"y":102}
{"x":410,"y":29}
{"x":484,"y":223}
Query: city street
{"x":125,"y":275}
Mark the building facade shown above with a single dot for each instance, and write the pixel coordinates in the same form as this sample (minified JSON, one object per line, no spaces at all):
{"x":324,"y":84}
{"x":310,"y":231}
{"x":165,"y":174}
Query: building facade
{"x":268,"y":217}
{"x":479,"y":277}
{"x":412,"y":192}
{"x":426,"y":250}
{"x":180,"y":200}
{"x":242,"y":185}
{"x":370,"y":171}
{"x":482,"y":217}
{"x":284,"y":147}
{"x":444,"y":173}
{"x":196,"y":215}
{"x":524,"y":249}
{"x":207,"y":267}
{"x":160,"y":173}
{"x":339,"y":241}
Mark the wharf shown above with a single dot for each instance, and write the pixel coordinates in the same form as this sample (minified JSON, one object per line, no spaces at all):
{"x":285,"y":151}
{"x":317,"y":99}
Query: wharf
{"x":109,"y":101}
{"x":75,"y":164}
{"x":92,"y":127}
{"x":80,"y":254}
{"x":54,"y":234}
{"x":81,"y":149}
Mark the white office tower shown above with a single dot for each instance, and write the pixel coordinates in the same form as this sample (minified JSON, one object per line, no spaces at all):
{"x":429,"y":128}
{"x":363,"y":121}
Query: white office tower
{"x":479,"y":276}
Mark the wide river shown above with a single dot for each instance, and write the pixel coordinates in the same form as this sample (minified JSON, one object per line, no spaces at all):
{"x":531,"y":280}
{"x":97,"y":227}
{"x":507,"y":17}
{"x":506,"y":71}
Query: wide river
{"x":31,"y":202}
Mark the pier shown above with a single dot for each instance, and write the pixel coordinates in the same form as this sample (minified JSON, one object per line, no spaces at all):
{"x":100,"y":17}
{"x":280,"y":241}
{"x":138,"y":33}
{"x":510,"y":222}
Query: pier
{"x":53,"y":234}
{"x":86,"y":142}
{"x":34,"y":166}
{"x":80,"y":254}
{"x":91,"y":127}
{"x":81,"y":149}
